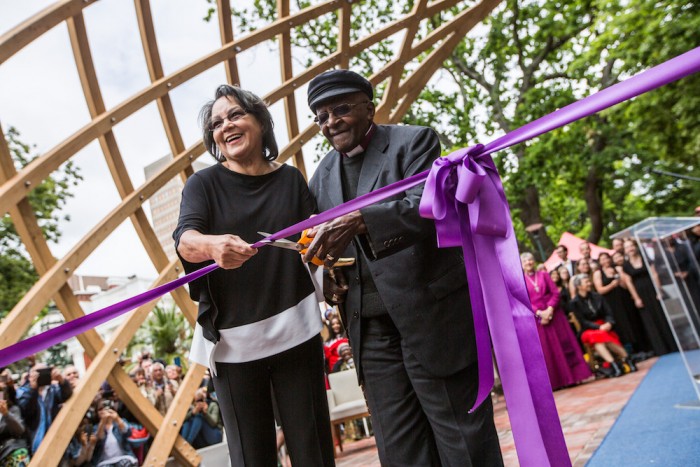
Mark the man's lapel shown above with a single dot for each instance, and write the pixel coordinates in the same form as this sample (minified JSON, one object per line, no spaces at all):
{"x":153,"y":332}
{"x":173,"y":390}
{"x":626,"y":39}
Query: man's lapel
{"x":374,"y":159}
{"x":333,"y":181}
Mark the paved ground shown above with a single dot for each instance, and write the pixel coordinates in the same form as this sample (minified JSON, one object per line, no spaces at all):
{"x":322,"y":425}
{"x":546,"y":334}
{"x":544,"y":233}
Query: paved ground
{"x":587,"y":412}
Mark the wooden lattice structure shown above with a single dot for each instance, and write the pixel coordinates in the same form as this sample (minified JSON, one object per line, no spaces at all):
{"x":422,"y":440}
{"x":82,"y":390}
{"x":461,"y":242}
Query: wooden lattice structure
{"x":401,"y":89}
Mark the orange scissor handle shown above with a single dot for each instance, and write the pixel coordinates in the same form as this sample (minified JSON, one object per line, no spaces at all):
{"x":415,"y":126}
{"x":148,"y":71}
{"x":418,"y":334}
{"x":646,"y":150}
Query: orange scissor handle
{"x":305,"y":241}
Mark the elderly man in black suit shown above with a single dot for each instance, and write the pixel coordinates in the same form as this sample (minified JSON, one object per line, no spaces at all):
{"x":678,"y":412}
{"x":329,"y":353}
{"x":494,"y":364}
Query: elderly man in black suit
{"x":405,"y":302}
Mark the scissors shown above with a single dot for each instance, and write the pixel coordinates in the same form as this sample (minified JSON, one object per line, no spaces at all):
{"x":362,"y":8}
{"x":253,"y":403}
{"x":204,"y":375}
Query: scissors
{"x":301,"y":246}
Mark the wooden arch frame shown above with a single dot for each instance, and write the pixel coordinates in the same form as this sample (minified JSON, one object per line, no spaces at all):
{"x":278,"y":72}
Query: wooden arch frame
{"x":400,"y":92}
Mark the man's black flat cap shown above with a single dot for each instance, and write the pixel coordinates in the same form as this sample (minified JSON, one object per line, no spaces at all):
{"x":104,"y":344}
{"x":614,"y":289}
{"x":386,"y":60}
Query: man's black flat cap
{"x":334,"y":83}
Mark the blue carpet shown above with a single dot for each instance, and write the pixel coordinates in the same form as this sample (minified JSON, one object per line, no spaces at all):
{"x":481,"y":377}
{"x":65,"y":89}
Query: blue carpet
{"x":650,"y":430}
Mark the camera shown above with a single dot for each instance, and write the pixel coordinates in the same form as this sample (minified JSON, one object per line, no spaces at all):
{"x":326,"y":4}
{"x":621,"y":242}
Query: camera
{"x":91,"y":416}
{"x":44,"y":378}
{"x":106,"y":404}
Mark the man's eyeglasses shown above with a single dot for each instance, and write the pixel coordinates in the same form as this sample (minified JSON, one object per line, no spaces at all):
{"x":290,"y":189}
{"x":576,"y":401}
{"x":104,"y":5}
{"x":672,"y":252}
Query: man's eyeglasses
{"x":233,"y":115}
{"x":338,"y":111}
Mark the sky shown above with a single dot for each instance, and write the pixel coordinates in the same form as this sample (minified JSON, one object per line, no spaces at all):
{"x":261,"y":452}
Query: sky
{"x":41,"y":96}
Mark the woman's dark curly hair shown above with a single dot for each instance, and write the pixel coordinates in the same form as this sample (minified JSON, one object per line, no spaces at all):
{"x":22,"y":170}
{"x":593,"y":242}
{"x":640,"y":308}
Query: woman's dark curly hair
{"x":252,"y":105}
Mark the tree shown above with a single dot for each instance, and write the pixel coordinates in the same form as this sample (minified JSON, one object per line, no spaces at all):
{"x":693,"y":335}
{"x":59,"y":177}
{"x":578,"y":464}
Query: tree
{"x":47,"y":200}
{"x":592,"y":177}
{"x":166,"y":332}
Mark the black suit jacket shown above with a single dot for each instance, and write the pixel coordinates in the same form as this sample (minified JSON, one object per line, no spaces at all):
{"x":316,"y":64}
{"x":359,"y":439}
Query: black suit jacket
{"x":424,"y":288}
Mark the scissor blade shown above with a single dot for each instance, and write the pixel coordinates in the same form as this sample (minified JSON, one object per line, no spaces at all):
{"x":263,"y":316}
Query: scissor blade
{"x":282,"y":243}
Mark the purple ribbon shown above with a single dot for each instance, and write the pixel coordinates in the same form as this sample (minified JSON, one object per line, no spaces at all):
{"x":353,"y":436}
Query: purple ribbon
{"x":465,"y":196}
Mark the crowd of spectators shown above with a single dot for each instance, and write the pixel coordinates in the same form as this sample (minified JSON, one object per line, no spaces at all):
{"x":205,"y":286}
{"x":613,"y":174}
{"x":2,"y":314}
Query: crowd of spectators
{"x":612,"y":305}
{"x":606,"y":308}
{"x":108,"y":435}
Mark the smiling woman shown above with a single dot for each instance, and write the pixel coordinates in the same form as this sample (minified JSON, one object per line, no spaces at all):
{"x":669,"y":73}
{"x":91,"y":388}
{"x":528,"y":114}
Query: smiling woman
{"x":258,"y":324}
{"x":237,"y":129}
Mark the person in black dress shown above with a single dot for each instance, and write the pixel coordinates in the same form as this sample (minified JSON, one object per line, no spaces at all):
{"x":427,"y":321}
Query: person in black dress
{"x":258,"y":328}
{"x":610,"y":284}
{"x":653,"y":318}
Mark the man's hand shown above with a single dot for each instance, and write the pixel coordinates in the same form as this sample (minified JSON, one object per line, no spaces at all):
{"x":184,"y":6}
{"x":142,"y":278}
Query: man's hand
{"x":335,"y":286}
{"x":230,"y":251}
{"x":33,"y":379}
{"x":332,"y":238}
{"x":56,"y":375}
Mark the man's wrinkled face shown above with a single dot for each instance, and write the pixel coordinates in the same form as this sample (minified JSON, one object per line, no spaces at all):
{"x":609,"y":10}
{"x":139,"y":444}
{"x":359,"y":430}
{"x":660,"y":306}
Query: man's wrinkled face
{"x":347,"y":131}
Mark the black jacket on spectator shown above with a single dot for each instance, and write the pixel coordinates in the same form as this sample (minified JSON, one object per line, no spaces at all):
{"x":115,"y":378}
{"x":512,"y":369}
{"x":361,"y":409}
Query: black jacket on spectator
{"x":12,"y":435}
{"x":590,"y":309}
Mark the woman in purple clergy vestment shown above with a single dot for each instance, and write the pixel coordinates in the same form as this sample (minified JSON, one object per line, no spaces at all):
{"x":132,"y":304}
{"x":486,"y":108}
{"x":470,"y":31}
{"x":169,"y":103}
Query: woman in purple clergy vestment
{"x":562,"y":354}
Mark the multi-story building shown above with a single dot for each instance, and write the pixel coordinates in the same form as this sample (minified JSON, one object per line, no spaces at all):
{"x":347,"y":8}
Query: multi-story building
{"x":165,"y":203}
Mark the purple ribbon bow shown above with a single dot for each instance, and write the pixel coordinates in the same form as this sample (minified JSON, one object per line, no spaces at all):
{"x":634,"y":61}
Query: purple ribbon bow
{"x":464,"y":196}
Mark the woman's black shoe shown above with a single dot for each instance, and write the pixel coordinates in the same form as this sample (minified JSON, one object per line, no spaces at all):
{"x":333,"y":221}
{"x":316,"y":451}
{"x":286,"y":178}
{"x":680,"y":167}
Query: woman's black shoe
{"x":617,"y":370}
{"x":631,"y":364}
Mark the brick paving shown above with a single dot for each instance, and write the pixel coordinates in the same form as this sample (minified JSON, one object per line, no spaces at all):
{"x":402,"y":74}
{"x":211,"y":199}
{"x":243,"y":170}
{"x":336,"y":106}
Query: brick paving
{"x":587,"y":413}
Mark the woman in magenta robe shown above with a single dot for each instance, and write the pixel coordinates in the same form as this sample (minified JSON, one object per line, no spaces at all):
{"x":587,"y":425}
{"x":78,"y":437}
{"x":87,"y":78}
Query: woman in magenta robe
{"x":562,"y":353}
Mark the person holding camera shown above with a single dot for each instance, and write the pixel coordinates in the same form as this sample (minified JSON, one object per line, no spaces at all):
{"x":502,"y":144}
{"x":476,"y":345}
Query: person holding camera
{"x":14,"y":449}
{"x":112,"y":448}
{"x":39,"y":400}
{"x":82,"y":446}
{"x":164,"y":388}
{"x":203,"y":424}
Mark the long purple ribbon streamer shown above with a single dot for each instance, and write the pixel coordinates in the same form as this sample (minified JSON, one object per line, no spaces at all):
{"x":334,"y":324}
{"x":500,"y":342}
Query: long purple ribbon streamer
{"x":466,"y":185}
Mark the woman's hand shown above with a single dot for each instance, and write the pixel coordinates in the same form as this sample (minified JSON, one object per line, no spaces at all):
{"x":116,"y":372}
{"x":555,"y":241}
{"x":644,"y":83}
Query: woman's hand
{"x":230,"y":251}
{"x":638,"y":302}
{"x":3,"y":408}
{"x":605,"y":327}
{"x":545,"y":316}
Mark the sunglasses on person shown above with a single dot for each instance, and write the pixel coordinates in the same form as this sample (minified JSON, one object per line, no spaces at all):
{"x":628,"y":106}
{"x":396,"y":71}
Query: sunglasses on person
{"x":338,"y":111}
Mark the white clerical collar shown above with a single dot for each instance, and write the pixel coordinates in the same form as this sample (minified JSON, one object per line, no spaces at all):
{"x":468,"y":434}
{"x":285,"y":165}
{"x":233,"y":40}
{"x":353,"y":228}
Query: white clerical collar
{"x":364,"y":144}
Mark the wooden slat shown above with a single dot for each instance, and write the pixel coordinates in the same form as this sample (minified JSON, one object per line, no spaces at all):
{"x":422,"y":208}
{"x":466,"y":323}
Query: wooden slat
{"x":172,"y":422}
{"x":345,"y":22}
{"x":19,"y":317}
{"x":17,"y":187}
{"x":93,"y":96}
{"x":290,"y":106}
{"x":155,"y":71}
{"x":104,"y":363}
{"x":108,"y":142}
{"x":24,"y":33}
{"x":390,"y":92}
{"x":33,"y":239}
{"x":14,"y":187}
{"x":226,"y":33}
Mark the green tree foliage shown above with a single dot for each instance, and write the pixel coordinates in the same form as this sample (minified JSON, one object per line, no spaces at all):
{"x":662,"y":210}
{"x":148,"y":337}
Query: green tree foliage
{"x":47,"y":200}
{"x":165,"y":332}
{"x":530,"y":57}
